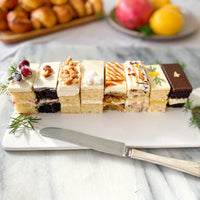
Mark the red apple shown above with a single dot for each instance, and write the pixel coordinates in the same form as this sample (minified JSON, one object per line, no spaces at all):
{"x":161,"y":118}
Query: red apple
{"x":134,"y":13}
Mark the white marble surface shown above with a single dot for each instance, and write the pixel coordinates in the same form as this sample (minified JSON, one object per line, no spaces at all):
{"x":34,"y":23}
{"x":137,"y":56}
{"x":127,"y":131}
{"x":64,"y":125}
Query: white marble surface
{"x":87,"y":174}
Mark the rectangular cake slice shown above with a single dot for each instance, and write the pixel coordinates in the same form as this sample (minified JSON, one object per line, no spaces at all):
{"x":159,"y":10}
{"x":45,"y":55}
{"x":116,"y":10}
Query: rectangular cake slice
{"x":22,"y":92}
{"x":159,"y":88}
{"x":92,"y":86}
{"x":69,"y":86}
{"x":45,"y":87}
{"x":115,"y":87}
{"x":138,"y":87}
{"x":180,"y":85}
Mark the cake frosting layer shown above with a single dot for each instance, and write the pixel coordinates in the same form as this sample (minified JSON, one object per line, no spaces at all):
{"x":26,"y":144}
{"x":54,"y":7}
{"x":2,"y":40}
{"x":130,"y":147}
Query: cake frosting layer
{"x":137,"y":81}
{"x":49,"y":81}
{"x":69,"y":79}
{"x":115,"y":81}
{"x":26,"y":84}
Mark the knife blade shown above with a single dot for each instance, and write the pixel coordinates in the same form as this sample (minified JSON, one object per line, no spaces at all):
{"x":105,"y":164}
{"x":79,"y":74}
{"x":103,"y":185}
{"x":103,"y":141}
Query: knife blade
{"x":82,"y":139}
{"x":119,"y":149}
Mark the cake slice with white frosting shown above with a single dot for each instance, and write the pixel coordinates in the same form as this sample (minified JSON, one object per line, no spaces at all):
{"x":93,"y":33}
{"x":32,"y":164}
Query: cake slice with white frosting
{"x":22,"y":93}
{"x":69,"y":86}
{"x":45,"y":87}
{"x":92,"y":86}
{"x":138,"y":87}
{"x":159,"y":88}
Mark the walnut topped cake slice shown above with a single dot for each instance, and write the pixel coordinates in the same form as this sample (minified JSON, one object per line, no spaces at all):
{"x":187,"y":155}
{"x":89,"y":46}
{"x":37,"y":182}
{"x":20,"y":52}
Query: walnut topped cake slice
{"x":45,"y":87}
{"x":115,"y":87}
{"x":92,"y":86}
{"x":69,"y":86}
{"x":159,"y":88}
{"x":138,"y":87}
{"x":22,"y":93}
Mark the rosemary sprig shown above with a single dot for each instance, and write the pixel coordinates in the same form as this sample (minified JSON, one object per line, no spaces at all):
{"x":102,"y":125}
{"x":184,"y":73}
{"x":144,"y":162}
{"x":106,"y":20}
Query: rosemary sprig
{"x":3,"y":88}
{"x":158,"y":80}
{"x":151,"y":69}
{"x":22,"y":121}
{"x":12,"y":69}
{"x":145,"y":30}
{"x":158,"y":62}
{"x":195,"y":112}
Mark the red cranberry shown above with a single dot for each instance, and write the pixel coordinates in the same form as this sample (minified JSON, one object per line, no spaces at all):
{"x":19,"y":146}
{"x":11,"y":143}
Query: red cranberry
{"x":26,"y":71}
{"x":24,"y":63}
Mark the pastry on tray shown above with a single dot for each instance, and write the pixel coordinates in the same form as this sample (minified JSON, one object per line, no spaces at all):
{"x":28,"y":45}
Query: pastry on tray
{"x":138,"y":87}
{"x":92,"y":86}
{"x":69,"y":87}
{"x":45,"y":87}
{"x":159,"y":88}
{"x":21,"y":89}
{"x":180,"y":86}
{"x":115,"y":87}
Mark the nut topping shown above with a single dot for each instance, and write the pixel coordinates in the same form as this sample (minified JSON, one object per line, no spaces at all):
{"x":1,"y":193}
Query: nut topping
{"x":47,"y":70}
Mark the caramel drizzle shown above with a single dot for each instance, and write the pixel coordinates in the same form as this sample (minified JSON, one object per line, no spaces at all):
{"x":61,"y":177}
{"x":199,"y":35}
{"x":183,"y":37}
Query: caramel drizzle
{"x":114,"y":71}
{"x":113,"y":83}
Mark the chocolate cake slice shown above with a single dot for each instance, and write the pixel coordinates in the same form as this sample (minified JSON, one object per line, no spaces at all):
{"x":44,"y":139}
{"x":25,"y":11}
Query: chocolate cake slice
{"x":45,"y":88}
{"x":180,"y":85}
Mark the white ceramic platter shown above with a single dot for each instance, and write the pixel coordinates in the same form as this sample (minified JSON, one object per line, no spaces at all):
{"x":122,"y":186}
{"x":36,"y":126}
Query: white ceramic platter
{"x":149,"y":130}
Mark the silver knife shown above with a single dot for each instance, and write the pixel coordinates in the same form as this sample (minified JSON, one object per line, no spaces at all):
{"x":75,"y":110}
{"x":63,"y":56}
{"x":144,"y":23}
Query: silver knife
{"x":119,"y":149}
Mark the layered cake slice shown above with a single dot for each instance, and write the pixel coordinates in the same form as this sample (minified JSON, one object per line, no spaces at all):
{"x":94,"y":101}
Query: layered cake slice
{"x":159,"y":88}
{"x":92,"y":86}
{"x":180,"y":85}
{"x":138,"y":87}
{"x":45,"y":87}
{"x":69,"y":87}
{"x":22,"y":93}
{"x":115,"y":87}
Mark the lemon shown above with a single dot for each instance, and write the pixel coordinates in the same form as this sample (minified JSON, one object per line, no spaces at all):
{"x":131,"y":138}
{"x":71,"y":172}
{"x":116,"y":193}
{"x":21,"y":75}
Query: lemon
{"x":172,"y":7}
{"x":159,"y":3}
{"x":166,"y":22}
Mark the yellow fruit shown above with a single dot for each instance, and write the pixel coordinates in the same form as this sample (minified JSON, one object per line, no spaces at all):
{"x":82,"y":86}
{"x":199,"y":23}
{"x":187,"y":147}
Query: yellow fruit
{"x":166,"y":22}
{"x":159,"y":3}
{"x":172,"y":7}
{"x":118,"y":1}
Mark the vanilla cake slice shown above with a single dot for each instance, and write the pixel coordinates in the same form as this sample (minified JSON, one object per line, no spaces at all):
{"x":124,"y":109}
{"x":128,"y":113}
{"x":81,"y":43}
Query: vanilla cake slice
{"x":138,"y":87}
{"x":69,"y":87}
{"x":92,"y":86}
{"x":160,"y":88}
{"x":45,"y":87}
{"x":22,"y":93}
{"x":115,"y":87}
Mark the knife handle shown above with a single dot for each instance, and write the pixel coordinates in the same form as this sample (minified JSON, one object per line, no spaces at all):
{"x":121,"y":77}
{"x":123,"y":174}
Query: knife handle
{"x":192,"y":168}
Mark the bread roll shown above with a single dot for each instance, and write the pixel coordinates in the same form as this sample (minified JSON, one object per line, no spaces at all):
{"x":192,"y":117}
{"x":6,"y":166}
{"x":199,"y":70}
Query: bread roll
{"x":18,"y":21}
{"x":63,"y":13}
{"x":59,"y":2}
{"x":88,"y":8}
{"x":30,"y":5}
{"x":3,"y":20}
{"x":97,"y":6}
{"x":43,"y":17}
{"x":8,"y":4}
{"x":79,"y":7}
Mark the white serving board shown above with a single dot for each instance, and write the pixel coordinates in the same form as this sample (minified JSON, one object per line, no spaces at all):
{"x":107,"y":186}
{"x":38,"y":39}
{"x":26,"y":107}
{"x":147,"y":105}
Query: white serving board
{"x":141,"y":130}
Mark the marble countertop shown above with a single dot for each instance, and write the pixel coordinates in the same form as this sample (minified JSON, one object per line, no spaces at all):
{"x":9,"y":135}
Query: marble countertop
{"x":85,"y":174}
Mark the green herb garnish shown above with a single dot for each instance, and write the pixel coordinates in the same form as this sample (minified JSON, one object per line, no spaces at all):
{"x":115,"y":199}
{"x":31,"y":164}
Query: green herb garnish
{"x":12,"y":69}
{"x":158,"y":62}
{"x":22,"y":121}
{"x":182,"y":64}
{"x":155,"y":74}
{"x":195,"y":112}
{"x":145,"y":30}
{"x":3,"y":88}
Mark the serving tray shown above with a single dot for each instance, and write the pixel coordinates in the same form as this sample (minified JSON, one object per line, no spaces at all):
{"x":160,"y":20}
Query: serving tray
{"x":10,"y":37}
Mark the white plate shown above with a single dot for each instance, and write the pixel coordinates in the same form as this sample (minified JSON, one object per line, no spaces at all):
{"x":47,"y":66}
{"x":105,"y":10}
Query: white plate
{"x":191,"y":25}
{"x":149,"y":130}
